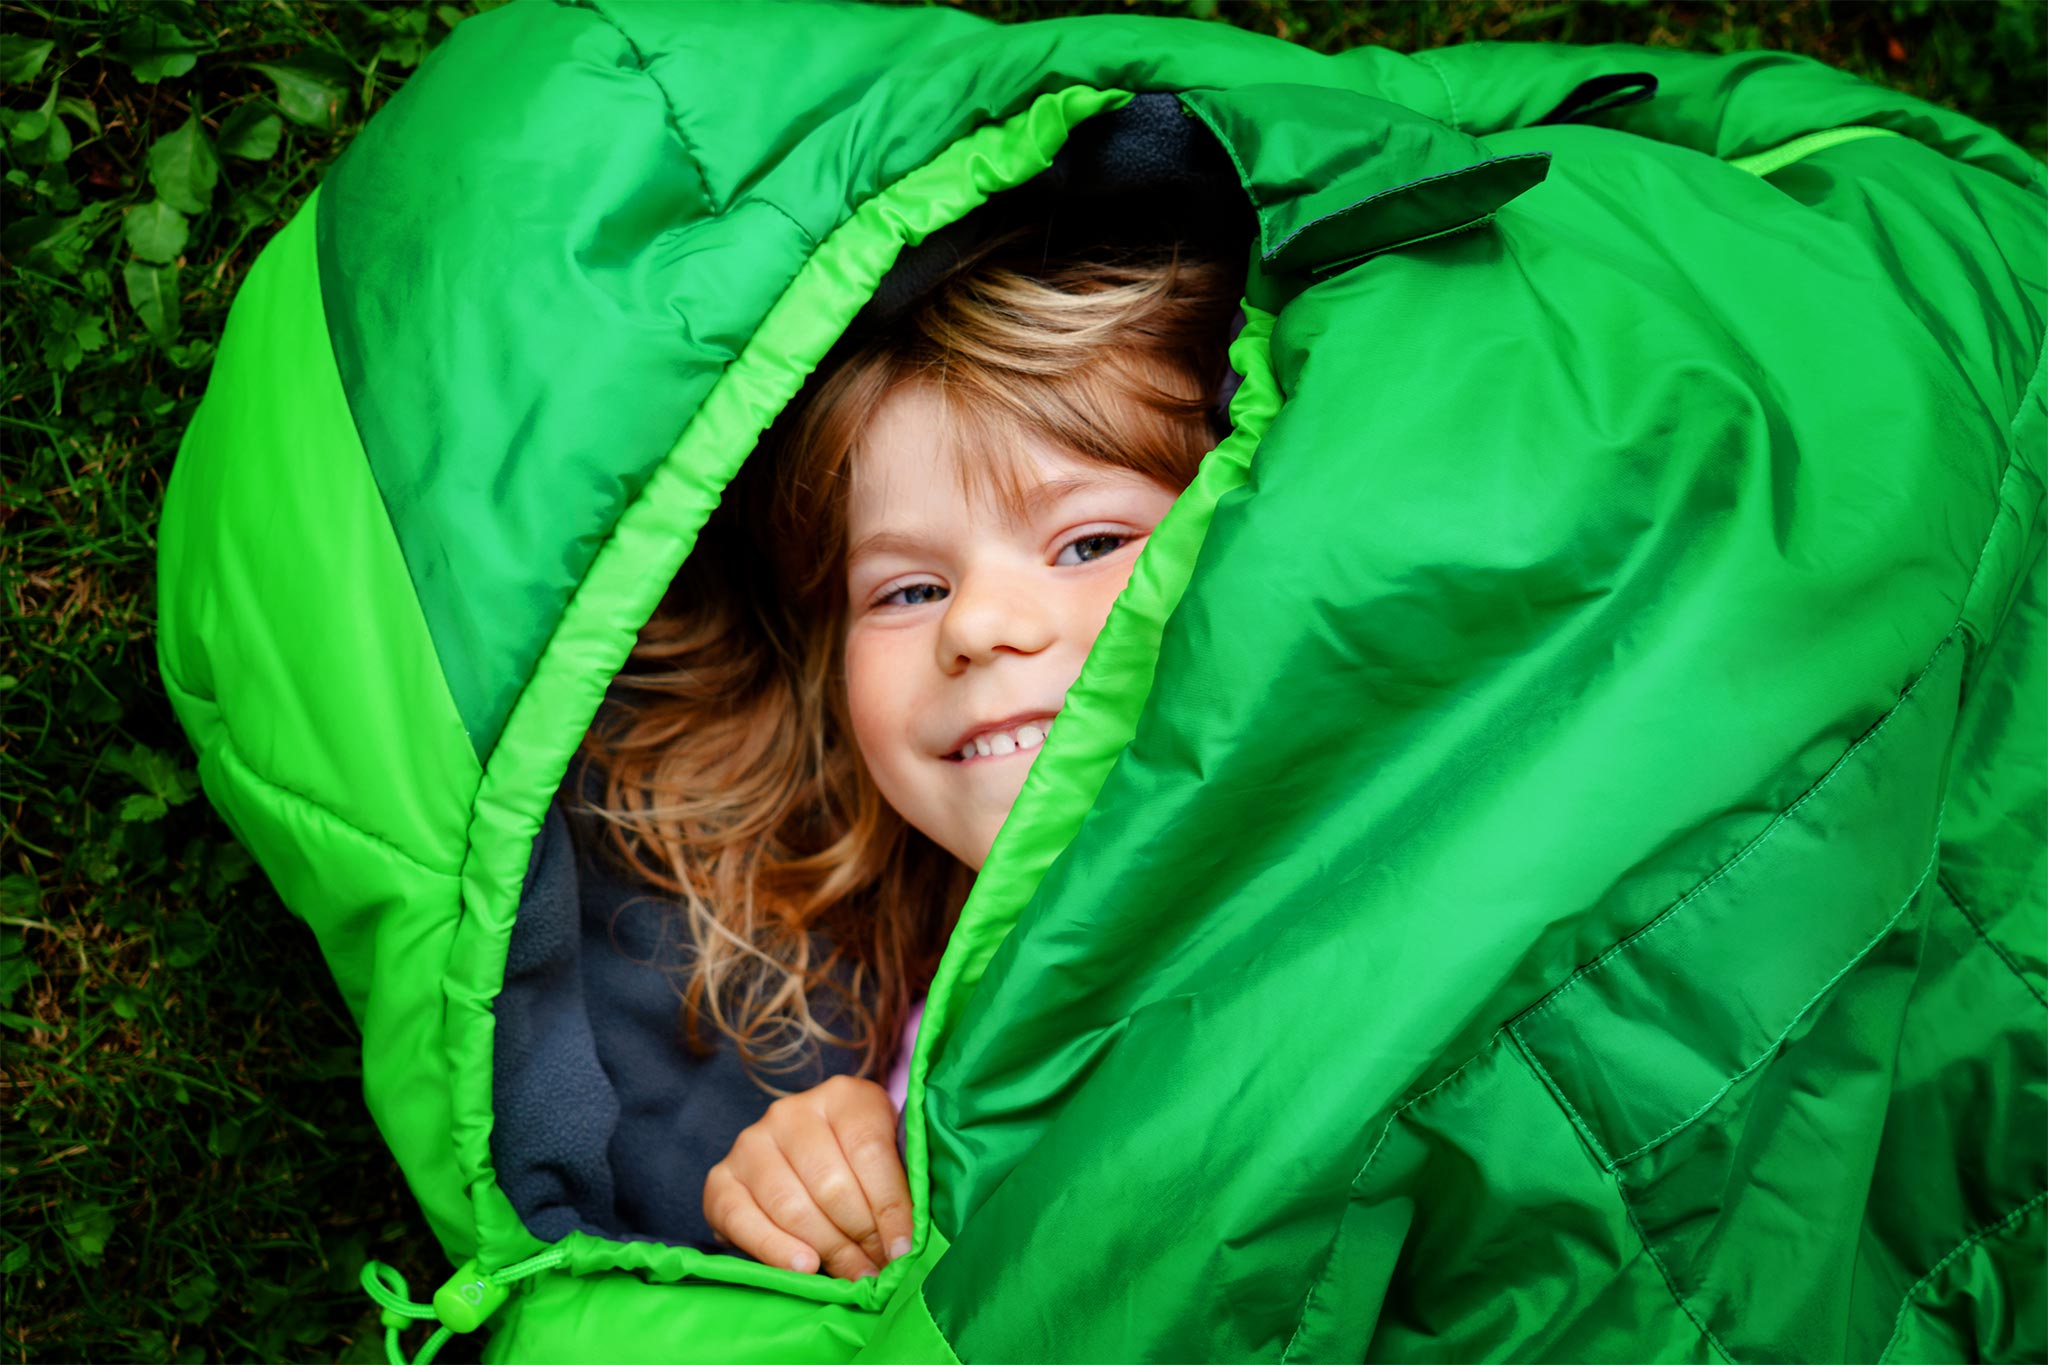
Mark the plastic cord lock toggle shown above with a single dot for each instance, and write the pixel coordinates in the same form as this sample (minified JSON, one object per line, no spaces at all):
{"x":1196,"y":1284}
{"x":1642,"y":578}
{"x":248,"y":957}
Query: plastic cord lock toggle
{"x":469,"y":1298}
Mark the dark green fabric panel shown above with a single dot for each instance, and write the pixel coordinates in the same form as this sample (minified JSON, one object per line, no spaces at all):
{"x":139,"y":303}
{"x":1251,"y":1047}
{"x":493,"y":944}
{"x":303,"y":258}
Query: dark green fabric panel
{"x":530,"y":291}
{"x":1508,"y":1182}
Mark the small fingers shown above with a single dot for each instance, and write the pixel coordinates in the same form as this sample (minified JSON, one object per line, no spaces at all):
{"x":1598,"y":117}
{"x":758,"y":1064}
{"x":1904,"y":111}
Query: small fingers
{"x":738,"y":1220}
{"x":851,"y":1244}
{"x":867,"y":1136}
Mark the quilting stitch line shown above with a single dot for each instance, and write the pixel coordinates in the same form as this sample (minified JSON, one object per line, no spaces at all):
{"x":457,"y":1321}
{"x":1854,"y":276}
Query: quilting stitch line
{"x":1779,"y":1041}
{"x":1370,"y":1157}
{"x":1763,"y":837}
{"x":1899,"y":1323}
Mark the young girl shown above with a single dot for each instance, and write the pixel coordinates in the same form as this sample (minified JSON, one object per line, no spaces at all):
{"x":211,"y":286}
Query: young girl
{"x":822,"y":730}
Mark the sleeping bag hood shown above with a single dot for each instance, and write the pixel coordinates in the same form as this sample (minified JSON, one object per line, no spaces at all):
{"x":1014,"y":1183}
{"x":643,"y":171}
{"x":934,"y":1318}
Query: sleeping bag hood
{"x":1545,"y":858}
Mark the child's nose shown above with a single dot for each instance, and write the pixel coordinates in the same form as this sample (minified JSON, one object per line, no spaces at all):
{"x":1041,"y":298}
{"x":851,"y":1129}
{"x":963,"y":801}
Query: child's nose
{"x":992,"y":615}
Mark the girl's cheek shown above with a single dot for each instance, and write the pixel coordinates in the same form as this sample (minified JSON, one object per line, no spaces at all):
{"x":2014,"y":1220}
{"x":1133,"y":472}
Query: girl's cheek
{"x":876,"y":674}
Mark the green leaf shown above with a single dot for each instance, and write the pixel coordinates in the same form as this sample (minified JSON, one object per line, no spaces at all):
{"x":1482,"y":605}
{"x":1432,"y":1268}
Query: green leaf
{"x":152,"y":50}
{"x":143,"y":807}
{"x":68,"y":333}
{"x":80,"y":109}
{"x":16,"y":1258}
{"x":26,"y":125}
{"x":183,"y":167}
{"x":195,"y":1298}
{"x":38,"y":136}
{"x":153,"y":293}
{"x":253,"y":208}
{"x":57,"y":245}
{"x":225,"y":1139}
{"x":187,"y":940}
{"x":305,"y":94}
{"x":231,"y":865}
{"x":402,"y":51}
{"x":94,"y":862}
{"x":190,"y":355}
{"x":21,"y":59}
{"x":152,"y":768}
{"x":250,"y":132}
{"x":126,"y":913}
{"x":155,"y":232}
{"x":86,"y":1230}
{"x":21,"y":894}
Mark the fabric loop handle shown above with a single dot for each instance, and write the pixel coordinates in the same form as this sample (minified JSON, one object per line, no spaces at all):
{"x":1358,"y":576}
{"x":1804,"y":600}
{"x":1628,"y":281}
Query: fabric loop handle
{"x":1601,"y":94}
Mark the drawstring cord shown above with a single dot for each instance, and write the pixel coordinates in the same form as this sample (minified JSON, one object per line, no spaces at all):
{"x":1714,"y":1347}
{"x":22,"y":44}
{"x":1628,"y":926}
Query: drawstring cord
{"x":461,"y":1305}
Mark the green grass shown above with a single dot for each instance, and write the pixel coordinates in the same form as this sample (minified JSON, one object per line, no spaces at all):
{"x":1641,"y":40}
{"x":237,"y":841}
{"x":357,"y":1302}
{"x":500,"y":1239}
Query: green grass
{"x":189,"y":1172}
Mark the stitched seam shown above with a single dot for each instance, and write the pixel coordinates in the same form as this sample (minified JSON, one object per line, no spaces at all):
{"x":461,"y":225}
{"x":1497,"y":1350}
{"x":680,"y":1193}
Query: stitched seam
{"x":1636,"y":938}
{"x":1386,"y":1128}
{"x":230,"y":747}
{"x":1899,"y":1323}
{"x":1983,"y":549}
{"x":2020,"y":409}
{"x":675,"y":122}
{"x":1664,"y":1273}
{"x":1557,"y":1092}
{"x":1443,"y":80}
{"x":1993,"y":944}
{"x":1999,"y":500}
{"x":1779,"y":1041}
{"x":802,"y":231}
{"x":1243,"y":176}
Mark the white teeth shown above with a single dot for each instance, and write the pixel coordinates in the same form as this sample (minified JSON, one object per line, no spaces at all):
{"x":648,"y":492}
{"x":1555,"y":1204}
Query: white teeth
{"x":1001,"y":742}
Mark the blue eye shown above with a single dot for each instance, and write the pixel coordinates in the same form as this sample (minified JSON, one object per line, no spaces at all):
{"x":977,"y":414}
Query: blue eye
{"x":1110,"y":543}
{"x":912,"y":588}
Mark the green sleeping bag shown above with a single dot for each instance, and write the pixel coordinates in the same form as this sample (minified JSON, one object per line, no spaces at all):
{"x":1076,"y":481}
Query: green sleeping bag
{"x":1546,"y":857}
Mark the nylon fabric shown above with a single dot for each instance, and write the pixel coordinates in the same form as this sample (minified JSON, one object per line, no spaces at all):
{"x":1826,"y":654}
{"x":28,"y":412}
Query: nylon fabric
{"x":1545,"y":859}
{"x":296,"y":657}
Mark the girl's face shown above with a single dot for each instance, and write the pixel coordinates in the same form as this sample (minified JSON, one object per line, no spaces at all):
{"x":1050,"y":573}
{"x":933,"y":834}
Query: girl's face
{"x":966,"y":622}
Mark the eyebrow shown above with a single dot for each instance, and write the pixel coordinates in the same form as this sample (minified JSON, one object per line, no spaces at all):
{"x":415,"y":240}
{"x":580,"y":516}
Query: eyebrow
{"x":1035,"y":501}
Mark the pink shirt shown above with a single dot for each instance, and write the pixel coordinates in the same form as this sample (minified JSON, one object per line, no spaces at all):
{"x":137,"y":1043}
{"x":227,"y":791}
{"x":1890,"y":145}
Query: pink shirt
{"x":899,"y":1074}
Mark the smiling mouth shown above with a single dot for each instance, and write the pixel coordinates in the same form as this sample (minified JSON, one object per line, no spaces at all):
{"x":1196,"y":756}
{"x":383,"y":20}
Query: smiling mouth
{"x":992,"y":745}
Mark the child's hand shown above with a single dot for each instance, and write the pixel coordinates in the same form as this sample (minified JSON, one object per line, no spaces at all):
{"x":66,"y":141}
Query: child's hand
{"x":816,"y":1181}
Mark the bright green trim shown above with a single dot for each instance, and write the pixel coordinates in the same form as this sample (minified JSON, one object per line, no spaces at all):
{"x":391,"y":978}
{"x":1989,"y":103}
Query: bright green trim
{"x":620,"y":593}
{"x":907,"y":1331}
{"x":1763,"y":163}
{"x":296,"y":655}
